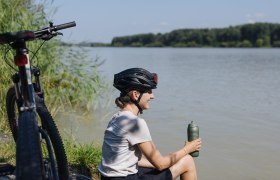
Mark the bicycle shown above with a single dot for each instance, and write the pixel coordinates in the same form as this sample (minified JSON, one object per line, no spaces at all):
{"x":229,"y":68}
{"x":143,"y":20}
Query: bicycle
{"x":24,"y":102}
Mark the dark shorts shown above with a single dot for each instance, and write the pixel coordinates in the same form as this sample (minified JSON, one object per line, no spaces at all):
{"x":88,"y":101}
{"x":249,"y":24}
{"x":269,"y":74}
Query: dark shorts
{"x":145,"y":174}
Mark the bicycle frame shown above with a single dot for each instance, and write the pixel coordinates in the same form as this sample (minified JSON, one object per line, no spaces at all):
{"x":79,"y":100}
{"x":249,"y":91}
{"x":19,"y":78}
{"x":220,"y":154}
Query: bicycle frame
{"x":23,"y":79}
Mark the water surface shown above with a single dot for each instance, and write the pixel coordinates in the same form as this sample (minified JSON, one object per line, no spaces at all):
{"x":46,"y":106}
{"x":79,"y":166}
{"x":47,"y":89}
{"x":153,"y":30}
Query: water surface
{"x":232,"y":94}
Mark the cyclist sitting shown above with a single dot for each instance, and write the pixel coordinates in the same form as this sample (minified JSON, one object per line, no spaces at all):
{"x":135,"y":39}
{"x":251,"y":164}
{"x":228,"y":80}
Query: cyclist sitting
{"x":127,"y":136}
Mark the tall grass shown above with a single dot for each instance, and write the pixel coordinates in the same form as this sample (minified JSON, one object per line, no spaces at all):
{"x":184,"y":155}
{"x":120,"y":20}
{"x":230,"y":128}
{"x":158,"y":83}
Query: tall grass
{"x":70,"y":78}
{"x":15,"y":15}
{"x":76,"y":84}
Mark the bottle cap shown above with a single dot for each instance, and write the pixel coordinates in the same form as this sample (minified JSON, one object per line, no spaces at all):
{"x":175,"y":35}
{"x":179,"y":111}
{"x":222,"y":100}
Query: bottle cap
{"x":192,"y":124}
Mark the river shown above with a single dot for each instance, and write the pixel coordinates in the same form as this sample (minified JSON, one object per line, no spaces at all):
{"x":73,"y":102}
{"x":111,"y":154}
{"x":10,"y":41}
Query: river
{"x":232,"y":94}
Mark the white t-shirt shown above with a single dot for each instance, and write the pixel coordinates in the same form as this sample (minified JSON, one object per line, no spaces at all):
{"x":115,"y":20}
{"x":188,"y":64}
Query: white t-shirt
{"x":120,"y":153}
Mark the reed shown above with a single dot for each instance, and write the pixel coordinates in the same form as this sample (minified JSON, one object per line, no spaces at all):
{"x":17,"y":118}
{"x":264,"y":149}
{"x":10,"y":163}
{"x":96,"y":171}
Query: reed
{"x":70,"y":78}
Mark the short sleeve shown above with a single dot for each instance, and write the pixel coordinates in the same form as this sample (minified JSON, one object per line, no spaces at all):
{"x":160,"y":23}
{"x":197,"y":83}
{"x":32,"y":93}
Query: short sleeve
{"x":139,"y":133}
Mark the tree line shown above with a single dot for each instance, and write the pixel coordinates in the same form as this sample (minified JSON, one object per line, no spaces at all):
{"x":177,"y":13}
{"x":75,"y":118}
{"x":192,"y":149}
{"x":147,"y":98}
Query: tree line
{"x":247,"y":35}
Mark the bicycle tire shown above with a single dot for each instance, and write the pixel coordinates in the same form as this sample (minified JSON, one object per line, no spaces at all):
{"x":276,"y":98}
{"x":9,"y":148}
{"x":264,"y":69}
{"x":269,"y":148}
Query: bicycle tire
{"x":28,"y":151}
{"x":47,"y":123}
{"x":11,"y":101}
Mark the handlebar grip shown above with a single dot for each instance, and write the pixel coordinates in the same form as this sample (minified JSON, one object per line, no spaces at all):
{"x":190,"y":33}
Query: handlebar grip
{"x":9,"y":37}
{"x":66,"y":25}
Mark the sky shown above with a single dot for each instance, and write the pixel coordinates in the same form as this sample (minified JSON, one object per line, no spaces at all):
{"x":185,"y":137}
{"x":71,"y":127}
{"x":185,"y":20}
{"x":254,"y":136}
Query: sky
{"x":102,"y":20}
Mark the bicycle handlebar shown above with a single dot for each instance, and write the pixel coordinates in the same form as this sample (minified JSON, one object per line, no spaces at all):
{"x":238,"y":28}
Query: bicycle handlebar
{"x":10,"y":37}
{"x":52,"y":28}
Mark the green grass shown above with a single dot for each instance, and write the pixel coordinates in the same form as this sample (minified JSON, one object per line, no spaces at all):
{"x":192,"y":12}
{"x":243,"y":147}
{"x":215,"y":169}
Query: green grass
{"x":82,"y":158}
{"x":8,"y":152}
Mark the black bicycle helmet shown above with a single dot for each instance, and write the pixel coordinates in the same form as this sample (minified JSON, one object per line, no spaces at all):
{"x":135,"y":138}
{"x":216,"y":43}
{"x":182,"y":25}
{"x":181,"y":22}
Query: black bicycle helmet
{"x":135,"y":79}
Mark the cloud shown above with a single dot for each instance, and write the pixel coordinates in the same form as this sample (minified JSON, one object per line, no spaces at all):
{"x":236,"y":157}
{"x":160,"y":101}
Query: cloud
{"x":252,"y":18}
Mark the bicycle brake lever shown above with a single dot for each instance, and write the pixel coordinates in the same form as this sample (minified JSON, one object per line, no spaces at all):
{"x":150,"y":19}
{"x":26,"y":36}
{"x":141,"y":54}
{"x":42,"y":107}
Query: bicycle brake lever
{"x":47,"y":37}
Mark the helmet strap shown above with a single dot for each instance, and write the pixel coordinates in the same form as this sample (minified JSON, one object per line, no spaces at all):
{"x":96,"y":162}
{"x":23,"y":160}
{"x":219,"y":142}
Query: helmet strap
{"x":136,"y":102}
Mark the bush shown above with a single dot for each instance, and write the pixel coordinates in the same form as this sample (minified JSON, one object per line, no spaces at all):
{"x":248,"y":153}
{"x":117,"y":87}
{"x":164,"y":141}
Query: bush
{"x":245,"y":43}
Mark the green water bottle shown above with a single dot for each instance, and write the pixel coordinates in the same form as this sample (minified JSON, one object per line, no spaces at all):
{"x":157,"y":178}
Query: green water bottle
{"x":193,"y":133}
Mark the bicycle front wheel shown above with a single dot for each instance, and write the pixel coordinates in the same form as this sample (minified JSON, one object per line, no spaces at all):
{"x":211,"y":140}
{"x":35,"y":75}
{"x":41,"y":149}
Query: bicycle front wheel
{"x":48,"y":126}
{"x":29,"y":164}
